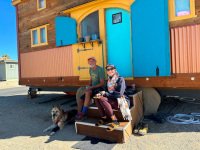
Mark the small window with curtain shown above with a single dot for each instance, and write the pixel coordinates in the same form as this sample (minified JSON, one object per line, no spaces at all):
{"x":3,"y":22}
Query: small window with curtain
{"x":41,"y":4}
{"x":182,"y":7}
{"x":39,"y":36}
{"x":90,"y":26}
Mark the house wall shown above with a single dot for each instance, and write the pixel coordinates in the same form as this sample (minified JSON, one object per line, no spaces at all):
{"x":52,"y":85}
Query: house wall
{"x":2,"y":72}
{"x":29,"y":17}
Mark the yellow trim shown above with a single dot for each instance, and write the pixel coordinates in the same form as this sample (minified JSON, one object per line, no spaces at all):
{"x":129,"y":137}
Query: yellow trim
{"x":39,"y":9}
{"x":172,"y":11}
{"x":38,"y":36}
{"x":15,"y":2}
{"x":102,"y":31}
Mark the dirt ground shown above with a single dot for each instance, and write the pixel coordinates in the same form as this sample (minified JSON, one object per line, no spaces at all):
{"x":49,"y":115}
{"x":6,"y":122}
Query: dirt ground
{"x":8,"y":84}
{"x":22,"y":121}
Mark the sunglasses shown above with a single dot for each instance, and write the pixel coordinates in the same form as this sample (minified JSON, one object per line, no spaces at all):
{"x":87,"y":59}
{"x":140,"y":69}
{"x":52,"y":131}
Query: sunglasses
{"x":110,"y":69}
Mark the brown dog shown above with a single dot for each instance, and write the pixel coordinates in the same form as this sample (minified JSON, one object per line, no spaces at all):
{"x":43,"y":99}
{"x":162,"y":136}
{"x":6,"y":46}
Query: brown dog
{"x":60,"y":118}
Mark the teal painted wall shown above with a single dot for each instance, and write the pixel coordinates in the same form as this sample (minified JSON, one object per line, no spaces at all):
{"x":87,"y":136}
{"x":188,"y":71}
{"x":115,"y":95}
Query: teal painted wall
{"x":150,"y":38}
{"x":119,"y":42}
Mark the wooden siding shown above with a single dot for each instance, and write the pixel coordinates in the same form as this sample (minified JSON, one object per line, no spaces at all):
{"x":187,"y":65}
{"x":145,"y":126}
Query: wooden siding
{"x":56,"y":62}
{"x":30,"y":17}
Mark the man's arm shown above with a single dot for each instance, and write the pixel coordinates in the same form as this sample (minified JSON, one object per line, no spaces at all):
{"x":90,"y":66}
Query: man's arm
{"x":90,"y":83}
{"x":101,"y":84}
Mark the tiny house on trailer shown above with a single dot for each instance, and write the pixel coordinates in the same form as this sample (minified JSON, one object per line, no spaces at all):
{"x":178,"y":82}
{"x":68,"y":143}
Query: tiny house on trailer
{"x":153,"y":43}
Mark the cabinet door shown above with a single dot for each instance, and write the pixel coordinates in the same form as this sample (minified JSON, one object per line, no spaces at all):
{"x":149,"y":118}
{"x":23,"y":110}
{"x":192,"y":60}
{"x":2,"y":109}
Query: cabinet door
{"x":66,"y":33}
{"x":150,"y":38}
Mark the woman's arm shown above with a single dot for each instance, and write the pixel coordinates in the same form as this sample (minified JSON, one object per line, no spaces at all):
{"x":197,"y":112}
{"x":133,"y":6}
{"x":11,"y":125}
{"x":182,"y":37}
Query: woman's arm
{"x":119,"y":89}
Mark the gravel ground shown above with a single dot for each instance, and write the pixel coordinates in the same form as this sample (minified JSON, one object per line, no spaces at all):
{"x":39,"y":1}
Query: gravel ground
{"x":22,"y":121}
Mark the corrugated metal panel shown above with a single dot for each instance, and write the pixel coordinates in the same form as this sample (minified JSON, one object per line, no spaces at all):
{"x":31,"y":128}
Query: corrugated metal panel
{"x":185,"y":49}
{"x":56,"y":62}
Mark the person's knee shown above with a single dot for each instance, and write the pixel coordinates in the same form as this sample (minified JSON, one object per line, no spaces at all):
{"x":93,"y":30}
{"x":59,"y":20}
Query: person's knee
{"x":89,"y":92}
{"x":103,"y":100}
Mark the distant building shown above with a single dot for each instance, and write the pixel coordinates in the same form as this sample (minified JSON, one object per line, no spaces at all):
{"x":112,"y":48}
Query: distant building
{"x":8,"y":70}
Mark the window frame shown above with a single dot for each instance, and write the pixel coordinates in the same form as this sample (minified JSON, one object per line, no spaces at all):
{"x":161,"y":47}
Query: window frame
{"x":39,"y":36}
{"x":38,"y":4}
{"x":80,"y":32}
{"x":13,"y":66}
{"x":172,"y":11}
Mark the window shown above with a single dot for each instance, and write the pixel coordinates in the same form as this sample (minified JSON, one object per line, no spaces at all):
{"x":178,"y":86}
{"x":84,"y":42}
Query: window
{"x":181,"y":9}
{"x":90,"y":26}
{"x":41,"y":4}
{"x":117,"y":18}
{"x":39,"y":36}
{"x":12,"y":66}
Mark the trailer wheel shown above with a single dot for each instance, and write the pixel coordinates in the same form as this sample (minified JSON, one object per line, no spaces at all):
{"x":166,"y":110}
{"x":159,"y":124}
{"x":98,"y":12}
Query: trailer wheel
{"x":32,"y":93}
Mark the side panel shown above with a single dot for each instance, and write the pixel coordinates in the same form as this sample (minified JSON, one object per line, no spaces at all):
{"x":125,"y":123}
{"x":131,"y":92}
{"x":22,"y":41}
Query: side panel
{"x":56,"y":62}
{"x":118,"y":41}
{"x":185,"y":49}
{"x":66,"y":33}
{"x":150,"y":38}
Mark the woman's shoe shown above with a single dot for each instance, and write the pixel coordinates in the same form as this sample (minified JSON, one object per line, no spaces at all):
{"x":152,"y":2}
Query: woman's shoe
{"x":102,"y":121}
{"x":112,"y":126}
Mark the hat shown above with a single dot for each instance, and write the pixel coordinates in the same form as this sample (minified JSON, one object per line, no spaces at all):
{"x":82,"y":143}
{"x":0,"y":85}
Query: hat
{"x":92,"y":58}
{"x":111,"y":66}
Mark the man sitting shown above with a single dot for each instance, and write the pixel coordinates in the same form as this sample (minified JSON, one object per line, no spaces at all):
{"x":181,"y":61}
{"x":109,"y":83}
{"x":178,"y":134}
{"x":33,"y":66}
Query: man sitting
{"x":96,"y":85}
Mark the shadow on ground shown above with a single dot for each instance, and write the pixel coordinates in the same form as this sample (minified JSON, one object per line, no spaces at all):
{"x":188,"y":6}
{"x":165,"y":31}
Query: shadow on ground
{"x":21,"y":116}
{"x":170,"y":107}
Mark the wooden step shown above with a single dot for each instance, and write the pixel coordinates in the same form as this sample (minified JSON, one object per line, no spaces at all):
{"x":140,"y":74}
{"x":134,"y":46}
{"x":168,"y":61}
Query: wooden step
{"x":119,"y":135}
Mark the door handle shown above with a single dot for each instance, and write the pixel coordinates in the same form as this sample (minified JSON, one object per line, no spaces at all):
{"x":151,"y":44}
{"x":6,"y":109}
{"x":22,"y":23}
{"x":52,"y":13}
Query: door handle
{"x":85,"y":49}
{"x":82,"y":68}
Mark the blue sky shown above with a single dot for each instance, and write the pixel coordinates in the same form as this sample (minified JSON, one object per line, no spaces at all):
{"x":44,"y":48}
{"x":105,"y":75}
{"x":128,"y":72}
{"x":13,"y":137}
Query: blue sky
{"x":8,"y":33}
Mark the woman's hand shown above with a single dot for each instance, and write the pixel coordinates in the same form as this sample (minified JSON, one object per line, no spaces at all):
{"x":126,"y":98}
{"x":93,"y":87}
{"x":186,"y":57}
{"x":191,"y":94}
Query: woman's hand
{"x":98,"y":96}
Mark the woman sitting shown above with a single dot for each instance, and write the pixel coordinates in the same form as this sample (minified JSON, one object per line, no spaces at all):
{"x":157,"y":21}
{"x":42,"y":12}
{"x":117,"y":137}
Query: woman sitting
{"x":108,"y":100}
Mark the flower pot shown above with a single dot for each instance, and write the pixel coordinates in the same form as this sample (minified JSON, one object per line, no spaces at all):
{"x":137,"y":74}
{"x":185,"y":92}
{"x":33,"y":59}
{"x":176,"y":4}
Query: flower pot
{"x":87,"y":38}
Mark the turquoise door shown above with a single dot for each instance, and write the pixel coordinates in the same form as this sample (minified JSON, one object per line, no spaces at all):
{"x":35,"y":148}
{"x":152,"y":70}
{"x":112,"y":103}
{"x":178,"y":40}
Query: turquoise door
{"x":118,"y":36}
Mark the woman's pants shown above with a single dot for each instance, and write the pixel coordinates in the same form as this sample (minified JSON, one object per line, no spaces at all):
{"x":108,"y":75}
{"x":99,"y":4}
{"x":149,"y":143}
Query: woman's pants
{"x":106,"y":106}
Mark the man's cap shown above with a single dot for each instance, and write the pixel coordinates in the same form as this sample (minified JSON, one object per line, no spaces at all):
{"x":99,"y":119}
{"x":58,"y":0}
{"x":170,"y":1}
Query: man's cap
{"x":92,"y":58}
{"x":110,"y":66}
